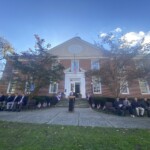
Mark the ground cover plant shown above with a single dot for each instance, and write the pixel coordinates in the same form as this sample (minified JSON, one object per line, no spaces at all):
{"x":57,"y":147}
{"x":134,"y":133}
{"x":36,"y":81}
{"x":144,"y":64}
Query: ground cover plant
{"x":23,"y":136}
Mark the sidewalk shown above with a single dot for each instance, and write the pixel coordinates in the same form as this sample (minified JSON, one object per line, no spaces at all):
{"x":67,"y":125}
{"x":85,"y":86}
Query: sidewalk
{"x":80,"y":117}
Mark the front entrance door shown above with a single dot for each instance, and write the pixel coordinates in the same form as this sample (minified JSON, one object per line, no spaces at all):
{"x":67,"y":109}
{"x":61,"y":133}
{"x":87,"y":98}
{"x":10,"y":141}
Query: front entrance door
{"x":75,"y":83}
{"x":77,"y":89}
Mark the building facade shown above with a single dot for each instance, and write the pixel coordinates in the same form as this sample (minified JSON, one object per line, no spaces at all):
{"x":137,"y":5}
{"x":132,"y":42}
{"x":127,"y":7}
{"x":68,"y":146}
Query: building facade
{"x":79,"y":56}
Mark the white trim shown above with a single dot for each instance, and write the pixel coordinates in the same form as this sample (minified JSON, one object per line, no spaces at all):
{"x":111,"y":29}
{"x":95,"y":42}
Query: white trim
{"x":8,"y":88}
{"x":81,"y":57}
{"x":99,"y":85}
{"x":97,"y":62}
{"x":127,"y":88}
{"x":147,"y":87}
{"x":72,"y":77}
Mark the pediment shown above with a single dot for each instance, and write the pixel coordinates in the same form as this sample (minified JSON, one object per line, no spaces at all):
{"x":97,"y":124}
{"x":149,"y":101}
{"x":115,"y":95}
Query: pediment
{"x":68,"y":70}
{"x":76,"y":47}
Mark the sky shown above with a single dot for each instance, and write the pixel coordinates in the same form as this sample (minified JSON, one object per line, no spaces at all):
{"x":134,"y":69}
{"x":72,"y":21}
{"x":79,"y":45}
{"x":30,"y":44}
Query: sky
{"x":60,"y":20}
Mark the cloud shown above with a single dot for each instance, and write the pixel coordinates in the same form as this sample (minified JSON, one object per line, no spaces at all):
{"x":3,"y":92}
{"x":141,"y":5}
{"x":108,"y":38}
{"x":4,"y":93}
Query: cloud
{"x":102,"y":35}
{"x":118,"y":30}
{"x":135,"y":38}
{"x":128,"y":40}
{"x":147,"y":38}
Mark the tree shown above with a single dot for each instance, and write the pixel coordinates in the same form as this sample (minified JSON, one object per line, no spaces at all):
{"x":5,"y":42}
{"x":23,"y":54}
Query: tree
{"x":116,"y":70}
{"x":5,"y":49}
{"x":36,"y":68}
{"x":143,"y":68}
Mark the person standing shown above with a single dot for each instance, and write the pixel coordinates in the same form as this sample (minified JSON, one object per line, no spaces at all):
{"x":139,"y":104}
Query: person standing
{"x":71,"y":101}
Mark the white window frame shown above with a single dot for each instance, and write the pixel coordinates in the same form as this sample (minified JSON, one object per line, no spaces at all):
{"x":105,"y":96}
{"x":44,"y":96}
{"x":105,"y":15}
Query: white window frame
{"x":147,"y":87}
{"x":125,"y":83}
{"x":27,"y":87}
{"x":50,"y":87}
{"x":11,"y":89}
{"x":95,"y":65}
{"x":15,"y":71}
{"x":96,"y":83}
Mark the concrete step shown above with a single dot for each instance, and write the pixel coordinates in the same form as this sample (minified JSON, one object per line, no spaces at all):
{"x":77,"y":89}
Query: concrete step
{"x":79,"y":103}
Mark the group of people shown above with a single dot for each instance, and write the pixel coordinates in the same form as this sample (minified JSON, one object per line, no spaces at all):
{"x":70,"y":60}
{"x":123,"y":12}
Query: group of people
{"x":48,"y":101}
{"x":136,"y":106}
{"x":12,"y":102}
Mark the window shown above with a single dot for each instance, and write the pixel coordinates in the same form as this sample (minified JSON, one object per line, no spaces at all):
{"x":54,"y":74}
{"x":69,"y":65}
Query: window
{"x":15,"y":71}
{"x":124,"y":89}
{"x":2,"y":66}
{"x":95,"y":64}
{"x":96,"y":85}
{"x":29,"y":87}
{"x":75,"y":66}
{"x":53,"y":87}
{"x":12,"y":86}
{"x":144,"y":87}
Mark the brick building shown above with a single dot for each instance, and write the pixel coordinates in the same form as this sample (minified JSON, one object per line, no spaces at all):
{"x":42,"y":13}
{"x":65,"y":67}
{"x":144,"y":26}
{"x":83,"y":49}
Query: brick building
{"x":78,"y":56}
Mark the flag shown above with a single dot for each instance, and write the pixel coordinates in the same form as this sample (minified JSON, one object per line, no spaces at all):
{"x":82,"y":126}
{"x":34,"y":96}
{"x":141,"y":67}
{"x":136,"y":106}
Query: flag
{"x":75,"y":66}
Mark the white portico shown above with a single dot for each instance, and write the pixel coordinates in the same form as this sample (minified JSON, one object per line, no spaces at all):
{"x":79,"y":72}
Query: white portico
{"x":75,"y":82}
{"x":77,"y":56}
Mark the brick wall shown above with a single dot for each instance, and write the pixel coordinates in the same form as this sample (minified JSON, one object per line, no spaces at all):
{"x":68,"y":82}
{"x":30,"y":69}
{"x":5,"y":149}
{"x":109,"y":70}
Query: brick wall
{"x":134,"y":89}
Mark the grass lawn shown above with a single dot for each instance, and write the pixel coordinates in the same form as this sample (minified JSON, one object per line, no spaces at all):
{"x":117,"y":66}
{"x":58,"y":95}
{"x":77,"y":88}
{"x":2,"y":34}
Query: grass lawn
{"x":23,"y":136}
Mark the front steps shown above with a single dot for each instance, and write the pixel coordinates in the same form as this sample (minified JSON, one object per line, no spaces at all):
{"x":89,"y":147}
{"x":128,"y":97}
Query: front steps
{"x":79,"y":103}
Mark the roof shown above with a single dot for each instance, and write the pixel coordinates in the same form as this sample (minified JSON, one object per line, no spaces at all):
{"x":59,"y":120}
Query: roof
{"x":78,"y":48}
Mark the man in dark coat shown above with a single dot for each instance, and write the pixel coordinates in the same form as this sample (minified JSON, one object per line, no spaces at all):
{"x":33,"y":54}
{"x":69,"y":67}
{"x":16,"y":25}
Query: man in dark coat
{"x":22,"y":101}
{"x":118,"y":105}
{"x":15,"y":101}
{"x":71,"y":101}
{"x":9,"y":101}
{"x":138,"y":107}
{"x":146,"y":106}
{"x":2,"y":101}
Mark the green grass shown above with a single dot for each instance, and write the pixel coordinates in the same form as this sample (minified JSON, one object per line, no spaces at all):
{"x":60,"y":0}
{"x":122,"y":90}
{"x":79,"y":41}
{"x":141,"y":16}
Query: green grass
{"x":23,"y":136}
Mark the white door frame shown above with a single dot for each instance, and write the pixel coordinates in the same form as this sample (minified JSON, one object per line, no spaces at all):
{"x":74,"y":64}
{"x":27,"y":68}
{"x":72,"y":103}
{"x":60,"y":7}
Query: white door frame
{"x":72,"y":77}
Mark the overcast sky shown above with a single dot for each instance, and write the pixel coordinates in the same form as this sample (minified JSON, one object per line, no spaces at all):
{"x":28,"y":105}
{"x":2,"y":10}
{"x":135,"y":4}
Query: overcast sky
{"x":59,"y":20}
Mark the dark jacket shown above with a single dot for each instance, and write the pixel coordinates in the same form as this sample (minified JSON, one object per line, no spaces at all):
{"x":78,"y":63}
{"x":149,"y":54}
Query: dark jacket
{"x":135,"y":104}
{"x":9,"y":99}
{"x":16,"y":98}
{"x":118,"y":104}
{"x":2,"y":98}
{"x":24,"y":100}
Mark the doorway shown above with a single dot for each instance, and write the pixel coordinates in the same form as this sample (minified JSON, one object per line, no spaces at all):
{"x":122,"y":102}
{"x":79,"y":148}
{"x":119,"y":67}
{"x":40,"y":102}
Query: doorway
{"x":77,"y":89}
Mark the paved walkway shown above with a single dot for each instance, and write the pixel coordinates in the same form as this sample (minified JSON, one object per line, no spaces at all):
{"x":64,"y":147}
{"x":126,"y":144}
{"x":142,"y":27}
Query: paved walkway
{"x":80,"y":117}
